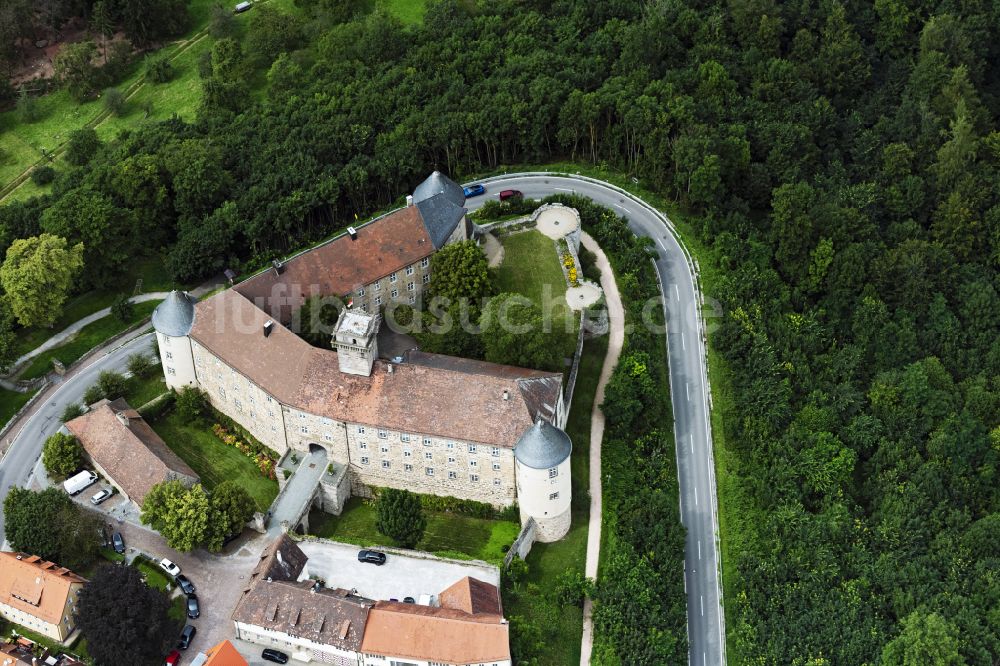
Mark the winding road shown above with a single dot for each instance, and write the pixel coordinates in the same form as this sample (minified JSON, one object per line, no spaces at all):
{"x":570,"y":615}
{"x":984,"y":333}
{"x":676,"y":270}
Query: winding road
{"x":688,"y":389}
{"x":688,"y":383}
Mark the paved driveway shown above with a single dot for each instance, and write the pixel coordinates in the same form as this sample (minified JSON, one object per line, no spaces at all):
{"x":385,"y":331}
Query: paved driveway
{"x":401,"y":576}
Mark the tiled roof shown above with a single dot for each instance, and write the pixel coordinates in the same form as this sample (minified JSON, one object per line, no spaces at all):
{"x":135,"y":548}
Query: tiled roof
{"x":35,"y":586}
{"x":133,"y":455}
{"x":457,"y":398}
{"x":282,"y":560}
{"x":224,"y":654}
{"x":439,"y":635}
{"x":472,"y":595}
{"x":325,"y":616}
{"x":340,"y":266}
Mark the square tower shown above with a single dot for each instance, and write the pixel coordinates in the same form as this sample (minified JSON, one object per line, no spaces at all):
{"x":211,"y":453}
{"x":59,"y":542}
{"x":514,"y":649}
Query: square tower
{"x":356,"y":341}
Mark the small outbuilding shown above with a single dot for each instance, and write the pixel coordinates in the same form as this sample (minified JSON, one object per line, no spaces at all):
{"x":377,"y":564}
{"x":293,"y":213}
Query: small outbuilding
{"x":125,"y":450}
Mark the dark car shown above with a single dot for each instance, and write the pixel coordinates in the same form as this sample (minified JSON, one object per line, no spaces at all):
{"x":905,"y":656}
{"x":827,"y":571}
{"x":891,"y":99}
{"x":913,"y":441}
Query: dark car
{"x":511,"y":194}
{"x":474,"y":190}
{"x":372,"y":557}
{"x":187,"y":635}
{"x":118,"y":542}
{"x":409,"y":600}
{"x":193,"y":610}
{"x":187,"y":587}
{"x":270,"y":654}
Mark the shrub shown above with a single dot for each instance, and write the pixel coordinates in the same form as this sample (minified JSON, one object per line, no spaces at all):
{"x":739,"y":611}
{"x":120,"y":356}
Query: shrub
{"x":400,"y":517}
{"x":572,"y":587}
{"x":140,"y":365}
{"x":27,"y":106}
{"x":93,"y":394}
{"x":71,"y":412}
{"x":221,"y":22}
{"x":61,"y":455}
{"x":192,"y":404}
{"x":159,"y":70}
{"x":114,"y":101}
{"x":157,"y":406}
{"x":122,"y":308}
{"x":43,"y":175}
{"x":112,"y":384}
{"x":82,"y":145}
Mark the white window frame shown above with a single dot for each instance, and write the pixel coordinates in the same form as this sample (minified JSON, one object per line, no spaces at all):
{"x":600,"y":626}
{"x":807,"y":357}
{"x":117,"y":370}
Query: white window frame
{"x":553,"y":472}
{"x":409,"y":270}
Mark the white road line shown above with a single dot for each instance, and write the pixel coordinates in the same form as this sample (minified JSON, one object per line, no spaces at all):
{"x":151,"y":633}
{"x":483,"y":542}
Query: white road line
{"x":704,"y":658}
{"x":692,"y":444}
{"x":702,"y":597}
{"x":683,"y":344}
{"x":696,"y":495}
{"x":699,"y":549}
{"x":562,"y":189}
{"x":661,"y":244}
{"x":625,"y":209}
{"x":677,"y":292}
{"x":687,"y":390}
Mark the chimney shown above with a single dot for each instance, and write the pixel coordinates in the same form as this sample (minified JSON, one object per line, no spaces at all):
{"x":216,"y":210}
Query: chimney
{"x":353,"y":233}
{"x":506,"y":394}
{"x":409,"y":200}
{"x":278,"y":267}
{"x":122,"y":418}
{"x":268,"y":327}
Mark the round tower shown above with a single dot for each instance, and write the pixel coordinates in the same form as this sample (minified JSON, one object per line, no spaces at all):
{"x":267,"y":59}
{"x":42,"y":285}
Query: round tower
{"x":541,"y":465}
{"x":172,"y":320}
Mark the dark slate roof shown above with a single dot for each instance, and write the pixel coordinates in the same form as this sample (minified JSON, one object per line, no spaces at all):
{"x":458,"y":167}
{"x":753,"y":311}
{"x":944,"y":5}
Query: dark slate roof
{"x":441,"y":216}
{"x":438,"y":183}
{"x":543,"y":446}
{"x":282,"y":560}
{"x":175,"y":315}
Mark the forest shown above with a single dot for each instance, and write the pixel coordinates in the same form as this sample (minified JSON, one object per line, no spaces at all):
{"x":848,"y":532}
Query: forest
{"x":840,"y":161}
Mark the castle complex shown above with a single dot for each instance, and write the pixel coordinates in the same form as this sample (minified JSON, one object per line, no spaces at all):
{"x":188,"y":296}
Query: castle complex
{"x":428,"y":423}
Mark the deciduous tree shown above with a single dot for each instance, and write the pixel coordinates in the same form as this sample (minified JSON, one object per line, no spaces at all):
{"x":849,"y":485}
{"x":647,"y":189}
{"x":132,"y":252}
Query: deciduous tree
{"x":37,"y":276}
{"x":61,"y":455}
{"x":400,"y":517}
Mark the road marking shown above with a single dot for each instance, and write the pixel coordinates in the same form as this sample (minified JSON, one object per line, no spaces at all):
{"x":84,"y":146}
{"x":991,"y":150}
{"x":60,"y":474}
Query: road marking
{"x":692,"y":444}
{"x":704,"y":658}
{"x":687,"y":390}
{"x":699,"y":549}
{"x":661,"y":244}
{"x":624,"y":209}
{"x":696,"y":495}
{"x":563,"y":189}
{"x":702,"y":597}
{"x":683,"y":344}
{"x":677,"y":292}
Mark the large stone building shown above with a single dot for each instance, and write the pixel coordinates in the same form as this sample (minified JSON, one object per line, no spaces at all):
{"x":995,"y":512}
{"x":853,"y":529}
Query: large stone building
{"x":430,"y":423}
{"x":38,"y":595}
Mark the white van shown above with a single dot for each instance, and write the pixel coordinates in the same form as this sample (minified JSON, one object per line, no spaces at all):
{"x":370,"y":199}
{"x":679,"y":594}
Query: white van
{"x":77,"y":483}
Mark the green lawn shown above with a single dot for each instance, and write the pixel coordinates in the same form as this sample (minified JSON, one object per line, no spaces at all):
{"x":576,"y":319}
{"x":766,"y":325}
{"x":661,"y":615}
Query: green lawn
{"x":150,"y":270}
{"x":90,"y":336}
{"x":447,"y":534}
{"x":11,"y":402}
{"x":140,"y":390}
{"x":214,"y":461}
{"x":531,"y":267}
{"x":155,"y":577}
{"x":578,"y":424}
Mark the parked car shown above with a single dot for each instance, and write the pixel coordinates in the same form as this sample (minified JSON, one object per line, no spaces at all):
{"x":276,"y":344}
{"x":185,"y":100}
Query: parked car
{"x":193,"y":610}
{"x":510,"y":194}
{"x":173,"y":658}
{"x":187,"y":635}
{"x":101,"y":496}
{"x":270,"y":654}
{"x":242,"y":7}
{"x":474,"y":190}
{"x":170,"y":567}
{"x":187,"y":587}
{"x":118,"y":542}
{"x":372,"y":557}
{"x":409,"y":600}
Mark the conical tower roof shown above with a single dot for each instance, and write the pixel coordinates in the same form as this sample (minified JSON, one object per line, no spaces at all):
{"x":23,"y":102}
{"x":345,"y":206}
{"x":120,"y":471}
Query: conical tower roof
{"x":175,"y":315}
{"x":543,"y":446}
{"x":438,"y":183}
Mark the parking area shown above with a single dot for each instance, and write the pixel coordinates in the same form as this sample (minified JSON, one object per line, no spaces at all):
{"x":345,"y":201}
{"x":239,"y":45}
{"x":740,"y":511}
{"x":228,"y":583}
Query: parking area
{"x":403,"y":575}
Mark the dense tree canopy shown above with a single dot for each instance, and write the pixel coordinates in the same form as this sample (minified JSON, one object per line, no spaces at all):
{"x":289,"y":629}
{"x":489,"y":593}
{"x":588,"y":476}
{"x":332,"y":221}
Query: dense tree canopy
{"x":49,"y":524}
{"x":37,"y":275}
{"x":123,"y":619}
{"x":399,"y":516}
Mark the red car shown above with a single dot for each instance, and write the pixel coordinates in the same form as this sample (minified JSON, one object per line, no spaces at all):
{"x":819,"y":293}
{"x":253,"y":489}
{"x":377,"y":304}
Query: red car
{"x":510,"y":194}
{"x":173,"y":658}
